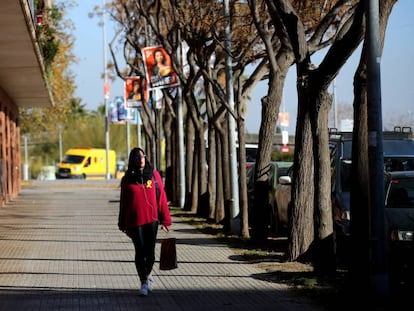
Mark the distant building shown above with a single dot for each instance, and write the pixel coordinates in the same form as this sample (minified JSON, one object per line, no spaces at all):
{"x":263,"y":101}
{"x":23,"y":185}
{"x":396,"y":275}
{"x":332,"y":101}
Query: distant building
{"x":346,"y":125}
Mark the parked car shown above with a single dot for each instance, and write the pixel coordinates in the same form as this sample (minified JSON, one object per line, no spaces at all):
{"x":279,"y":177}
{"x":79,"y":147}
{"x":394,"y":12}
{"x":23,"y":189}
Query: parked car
{"x":398,"y":153}
{"x":281,"y":198}
{"x":399,"y":216}
{"x":278,"y":218}
{"x":398,"y":147}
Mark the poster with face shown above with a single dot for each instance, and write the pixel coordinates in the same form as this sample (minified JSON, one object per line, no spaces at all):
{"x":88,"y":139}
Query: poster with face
{"x":159,"y":70}
{"x":135,"y":92}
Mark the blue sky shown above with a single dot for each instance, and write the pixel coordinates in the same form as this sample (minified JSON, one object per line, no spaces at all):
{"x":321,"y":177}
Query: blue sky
{"x":397,"y":67}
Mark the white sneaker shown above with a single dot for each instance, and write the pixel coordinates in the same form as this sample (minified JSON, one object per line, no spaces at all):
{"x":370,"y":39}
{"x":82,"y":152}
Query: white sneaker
{"x":144,"y":289}
{"x":150,"y":282}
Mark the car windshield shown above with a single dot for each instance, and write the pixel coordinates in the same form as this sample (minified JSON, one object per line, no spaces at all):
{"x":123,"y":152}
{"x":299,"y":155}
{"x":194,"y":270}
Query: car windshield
{"x":251,"y":152}
{"x":391,"y":147}
{"x":73,"y":159}
{"x":400,"y":193}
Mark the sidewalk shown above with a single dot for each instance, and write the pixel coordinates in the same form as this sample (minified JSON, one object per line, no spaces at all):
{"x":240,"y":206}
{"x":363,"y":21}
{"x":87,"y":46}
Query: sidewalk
{"x":60,"y":249}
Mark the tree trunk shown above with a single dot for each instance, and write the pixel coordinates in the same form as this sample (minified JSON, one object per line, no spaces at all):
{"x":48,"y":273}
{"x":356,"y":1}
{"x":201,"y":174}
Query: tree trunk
{"x":243,"y":202}
{"x":301,"y":233}
{"x":212,"y":172}
{"x":220,"y":204}
{"x":270,"y":110}
{"x":225,"y":159}
{"x":312,"y":158}
{"x":203,"y":207}
{"x":170,"y":144}
{"x":324,"y":244}
{"x":360,"y":189}
{"x":189,"y":149}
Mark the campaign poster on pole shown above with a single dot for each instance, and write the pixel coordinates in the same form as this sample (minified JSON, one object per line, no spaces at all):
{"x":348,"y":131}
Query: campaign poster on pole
{"x":284,"y":119}
{"x":135,"y":92}
{"x":124,"y":114}
{"x":159,"y":70}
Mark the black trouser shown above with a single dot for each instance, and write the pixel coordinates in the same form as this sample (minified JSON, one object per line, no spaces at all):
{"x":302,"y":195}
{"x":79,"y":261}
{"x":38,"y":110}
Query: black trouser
{"x":144,"y":238}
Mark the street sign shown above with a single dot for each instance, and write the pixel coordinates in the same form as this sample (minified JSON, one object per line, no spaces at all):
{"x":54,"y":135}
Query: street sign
{"x":285,"y":148}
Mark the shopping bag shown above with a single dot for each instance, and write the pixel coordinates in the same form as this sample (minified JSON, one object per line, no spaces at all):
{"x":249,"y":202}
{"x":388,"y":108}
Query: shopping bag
{"x":168,"y":255}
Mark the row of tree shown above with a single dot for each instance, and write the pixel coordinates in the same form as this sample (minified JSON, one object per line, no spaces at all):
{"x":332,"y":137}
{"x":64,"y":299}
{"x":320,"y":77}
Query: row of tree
{"x":271,"y":36}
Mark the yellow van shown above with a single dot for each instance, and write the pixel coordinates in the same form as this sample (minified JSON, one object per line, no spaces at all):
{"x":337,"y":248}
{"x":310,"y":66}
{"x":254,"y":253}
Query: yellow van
{"x":86,"y":163}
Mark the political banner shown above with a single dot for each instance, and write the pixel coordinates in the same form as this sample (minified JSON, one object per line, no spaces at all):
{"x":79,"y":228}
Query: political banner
{"x":284,"y":119}
{"x":119,"y":113}
{"x":158,"y":67}
{"x":136,"y":93}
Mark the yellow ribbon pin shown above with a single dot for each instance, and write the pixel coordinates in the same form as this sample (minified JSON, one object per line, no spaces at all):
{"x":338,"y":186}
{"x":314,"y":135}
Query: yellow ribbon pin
{"x":149,"y":184}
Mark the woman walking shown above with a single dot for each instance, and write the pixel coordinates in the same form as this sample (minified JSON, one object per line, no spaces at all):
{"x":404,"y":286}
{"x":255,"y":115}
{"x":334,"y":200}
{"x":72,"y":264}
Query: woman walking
{"x":143,"y":205}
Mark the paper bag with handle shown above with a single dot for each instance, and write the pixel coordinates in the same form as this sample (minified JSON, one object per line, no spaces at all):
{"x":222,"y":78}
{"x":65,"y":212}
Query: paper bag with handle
{"x":168,"y":255}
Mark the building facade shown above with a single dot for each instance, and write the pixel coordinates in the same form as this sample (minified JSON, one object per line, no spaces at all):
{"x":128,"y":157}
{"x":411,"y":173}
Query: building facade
{"x":23,"y":84}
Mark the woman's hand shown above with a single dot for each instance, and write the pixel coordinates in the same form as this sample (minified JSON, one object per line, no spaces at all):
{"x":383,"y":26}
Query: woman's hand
{"x":166,"y":229}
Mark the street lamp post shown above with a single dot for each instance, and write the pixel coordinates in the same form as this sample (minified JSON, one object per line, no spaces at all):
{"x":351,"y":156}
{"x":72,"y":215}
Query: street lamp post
{"x":106,"y":92}
{"x":60,"y":142}
{"x":234,"y":208}
{"x":138,"y":128}
{"x":378,"y":239}
{"x":26,"y":160}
